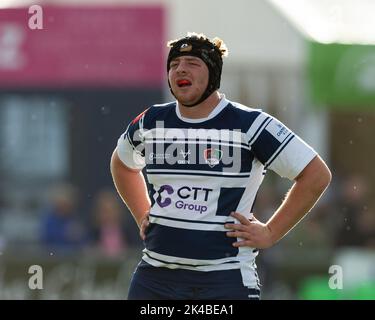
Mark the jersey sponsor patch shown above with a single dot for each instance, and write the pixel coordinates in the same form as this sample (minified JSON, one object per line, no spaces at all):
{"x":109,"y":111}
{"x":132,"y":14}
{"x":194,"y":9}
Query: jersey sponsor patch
{"x":278,"y":130}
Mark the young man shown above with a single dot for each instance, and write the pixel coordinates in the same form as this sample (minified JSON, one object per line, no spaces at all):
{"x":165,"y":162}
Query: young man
{"x":205,"y":158}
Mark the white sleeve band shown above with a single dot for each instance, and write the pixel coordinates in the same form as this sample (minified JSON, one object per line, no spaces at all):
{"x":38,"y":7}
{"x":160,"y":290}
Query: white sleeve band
{"x":293,"y":158}
{"x":130,"y":157}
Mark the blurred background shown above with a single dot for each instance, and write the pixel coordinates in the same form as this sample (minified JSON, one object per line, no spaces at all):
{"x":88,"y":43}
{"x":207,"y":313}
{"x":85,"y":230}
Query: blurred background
{"x":69,"y":89}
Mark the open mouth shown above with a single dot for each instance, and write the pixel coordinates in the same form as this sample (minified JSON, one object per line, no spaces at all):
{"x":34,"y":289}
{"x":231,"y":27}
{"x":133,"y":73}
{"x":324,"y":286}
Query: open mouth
{"x":183,"y":83}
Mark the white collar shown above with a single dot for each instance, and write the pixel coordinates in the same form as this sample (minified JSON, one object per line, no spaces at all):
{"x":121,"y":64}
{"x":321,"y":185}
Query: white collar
{"x":221,"y":105}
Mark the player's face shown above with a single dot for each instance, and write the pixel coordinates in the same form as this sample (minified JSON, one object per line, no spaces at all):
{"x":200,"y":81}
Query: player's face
{"x":188,"y":77}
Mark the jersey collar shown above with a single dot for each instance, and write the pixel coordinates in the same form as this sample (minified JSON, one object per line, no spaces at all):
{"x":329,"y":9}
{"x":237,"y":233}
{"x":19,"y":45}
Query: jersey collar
{"x":221,"y":105}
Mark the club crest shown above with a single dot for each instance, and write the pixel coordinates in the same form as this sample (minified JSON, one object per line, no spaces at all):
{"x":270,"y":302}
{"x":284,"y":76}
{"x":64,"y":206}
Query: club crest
{"x":212,"y":156}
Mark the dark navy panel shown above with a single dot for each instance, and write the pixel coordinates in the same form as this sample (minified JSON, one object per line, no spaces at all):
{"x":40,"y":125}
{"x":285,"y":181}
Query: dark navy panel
{"x":191,"y":244}
{"x":265,"y":146}
{"x":263,"y":125}
{"x":229,"y":199}
{"x":231,"y":118}
{"x":247,"y":158}
{"x":285,"y":143}
{"x":244,"y":118}
{"x":224,"y":279}
{"x":164,"y":113}
{"x":213,"y":174}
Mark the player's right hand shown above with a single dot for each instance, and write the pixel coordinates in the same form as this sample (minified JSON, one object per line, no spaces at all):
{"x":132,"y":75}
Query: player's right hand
{"x":143,"y":226}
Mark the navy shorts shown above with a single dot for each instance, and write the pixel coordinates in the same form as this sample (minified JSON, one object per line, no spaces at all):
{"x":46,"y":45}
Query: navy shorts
{"x":151,"y":283}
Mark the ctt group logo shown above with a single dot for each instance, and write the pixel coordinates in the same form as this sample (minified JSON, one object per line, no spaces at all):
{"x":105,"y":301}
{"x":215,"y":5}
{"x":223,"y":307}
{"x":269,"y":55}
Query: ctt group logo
{"x":193,"y":199}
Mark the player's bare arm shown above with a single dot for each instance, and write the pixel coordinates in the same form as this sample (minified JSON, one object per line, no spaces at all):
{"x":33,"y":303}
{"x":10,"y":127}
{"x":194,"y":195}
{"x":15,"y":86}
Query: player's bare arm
{"x":308,"y":187}
{"x":131,"y":186}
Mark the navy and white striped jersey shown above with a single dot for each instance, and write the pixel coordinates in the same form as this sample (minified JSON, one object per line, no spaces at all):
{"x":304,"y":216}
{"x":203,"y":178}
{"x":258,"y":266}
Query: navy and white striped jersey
{"x":198,"y":172}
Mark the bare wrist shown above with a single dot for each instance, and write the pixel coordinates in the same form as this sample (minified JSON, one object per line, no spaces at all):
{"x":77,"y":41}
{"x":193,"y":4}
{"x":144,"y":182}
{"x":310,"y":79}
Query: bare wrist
{"x":273,"y":237}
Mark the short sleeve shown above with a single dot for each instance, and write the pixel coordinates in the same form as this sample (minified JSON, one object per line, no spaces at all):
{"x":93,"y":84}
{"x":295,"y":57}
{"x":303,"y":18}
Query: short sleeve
{"x":278,"y":148}
{"x":130,"y":145}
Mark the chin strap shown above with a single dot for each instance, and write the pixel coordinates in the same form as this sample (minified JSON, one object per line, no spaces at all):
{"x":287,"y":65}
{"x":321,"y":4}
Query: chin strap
{"x":204,"y":96}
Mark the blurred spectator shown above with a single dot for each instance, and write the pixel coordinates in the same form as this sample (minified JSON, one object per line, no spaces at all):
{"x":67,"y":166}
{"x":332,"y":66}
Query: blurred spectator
{"x":366,"y":227}
{"x":109,"y":233}
{"x":353,"y":212}
{"x":312,"y":233}
{"x":62,"y":230}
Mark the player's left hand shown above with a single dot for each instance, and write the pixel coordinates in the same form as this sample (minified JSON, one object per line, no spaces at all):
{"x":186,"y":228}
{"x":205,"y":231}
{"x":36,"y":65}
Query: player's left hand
{"x":253,"y":233}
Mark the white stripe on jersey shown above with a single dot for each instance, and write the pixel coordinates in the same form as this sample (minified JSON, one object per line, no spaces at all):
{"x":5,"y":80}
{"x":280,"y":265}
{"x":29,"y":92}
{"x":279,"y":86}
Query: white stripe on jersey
{"x":249,"y":275}
{"x":193,"y":225}
{"x":205,"y":142}
{"x":224,"y":135}
{"x":260,"y":130}
{"x":160,"y":260}
{"x":258,"y":122}
{"x":248,"y":197}
{"x":176,"y":172}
